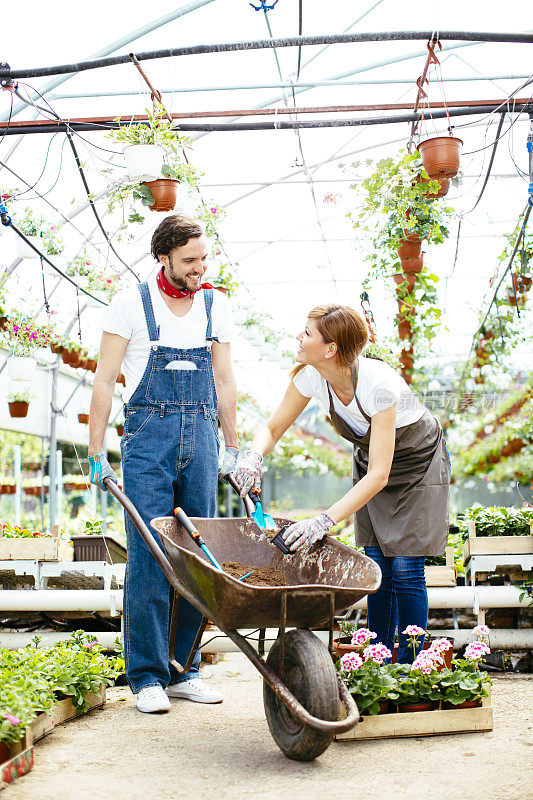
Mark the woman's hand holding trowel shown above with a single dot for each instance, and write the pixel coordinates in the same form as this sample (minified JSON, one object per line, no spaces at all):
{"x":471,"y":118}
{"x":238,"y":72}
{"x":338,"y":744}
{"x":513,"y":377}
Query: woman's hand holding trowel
{"x":248,"y":473}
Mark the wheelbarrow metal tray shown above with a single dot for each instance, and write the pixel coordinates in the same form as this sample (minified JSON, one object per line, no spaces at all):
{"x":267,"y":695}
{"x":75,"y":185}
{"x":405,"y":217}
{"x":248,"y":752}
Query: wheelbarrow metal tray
{"x":327,"y":572}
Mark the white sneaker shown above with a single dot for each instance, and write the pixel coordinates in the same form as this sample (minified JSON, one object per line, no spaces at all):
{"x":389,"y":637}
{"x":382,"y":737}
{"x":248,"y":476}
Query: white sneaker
{"x":153,"y":700}
{"x":195,"y":690}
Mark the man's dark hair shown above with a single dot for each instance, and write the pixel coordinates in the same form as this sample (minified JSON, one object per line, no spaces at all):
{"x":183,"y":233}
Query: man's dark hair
{"x":174,"y":231}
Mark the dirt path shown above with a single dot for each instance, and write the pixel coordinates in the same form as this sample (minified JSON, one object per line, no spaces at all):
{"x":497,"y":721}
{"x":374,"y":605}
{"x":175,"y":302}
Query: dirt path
{"x":225,"y":751}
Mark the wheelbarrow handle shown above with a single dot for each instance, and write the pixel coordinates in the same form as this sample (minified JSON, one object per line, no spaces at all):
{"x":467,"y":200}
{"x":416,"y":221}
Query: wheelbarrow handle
{"x":249,"y":505}
{"x":143,"y":529}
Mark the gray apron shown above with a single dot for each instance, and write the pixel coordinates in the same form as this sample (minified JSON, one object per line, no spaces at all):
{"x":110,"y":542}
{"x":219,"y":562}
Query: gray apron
{"x":409,"y":517}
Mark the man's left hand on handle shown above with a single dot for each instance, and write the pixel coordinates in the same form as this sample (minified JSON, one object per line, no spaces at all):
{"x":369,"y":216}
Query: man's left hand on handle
{"x":307,"y":532}
{"x":229,"y":462}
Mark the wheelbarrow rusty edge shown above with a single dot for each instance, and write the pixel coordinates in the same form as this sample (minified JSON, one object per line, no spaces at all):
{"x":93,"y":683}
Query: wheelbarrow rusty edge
{"x":279,"y":688}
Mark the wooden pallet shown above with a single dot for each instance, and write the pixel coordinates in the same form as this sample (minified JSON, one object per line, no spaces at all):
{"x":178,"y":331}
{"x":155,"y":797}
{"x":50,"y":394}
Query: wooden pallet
{"x":31,"y":549}
{"x":422,"y":723}
{"x":62,"y":712}
{"x":443,"y":575}
{"x":495,"y":545}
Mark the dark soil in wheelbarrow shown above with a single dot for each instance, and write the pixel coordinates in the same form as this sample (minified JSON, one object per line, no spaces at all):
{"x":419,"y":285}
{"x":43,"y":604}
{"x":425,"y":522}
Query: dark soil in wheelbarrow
{"x":261,"y":576}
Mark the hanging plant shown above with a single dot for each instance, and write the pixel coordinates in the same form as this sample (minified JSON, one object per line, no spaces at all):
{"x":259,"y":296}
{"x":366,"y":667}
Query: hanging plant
{"x":41,"y":234}
{"x":226,"y":281}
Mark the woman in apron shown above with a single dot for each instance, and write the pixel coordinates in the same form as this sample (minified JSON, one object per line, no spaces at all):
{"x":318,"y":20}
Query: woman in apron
{"x":401,"y":467}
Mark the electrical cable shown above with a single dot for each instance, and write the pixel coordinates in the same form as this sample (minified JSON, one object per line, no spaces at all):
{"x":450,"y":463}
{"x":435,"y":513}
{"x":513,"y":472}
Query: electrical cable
{"x":33,"y":185}
{"x":487,"y":176}
{"x":8,"y":120}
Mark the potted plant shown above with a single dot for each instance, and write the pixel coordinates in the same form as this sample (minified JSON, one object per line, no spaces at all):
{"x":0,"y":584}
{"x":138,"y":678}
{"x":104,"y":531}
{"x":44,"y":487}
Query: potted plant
{"x":225,"y":281}
{"x":31,"y":226}
{"x":24,"y":337}
{"x":119,"y":427}
{"x":19,"y":403}
{"x":102,"y":287}
{"x":369,"y":681}
{"x":83,"y":418}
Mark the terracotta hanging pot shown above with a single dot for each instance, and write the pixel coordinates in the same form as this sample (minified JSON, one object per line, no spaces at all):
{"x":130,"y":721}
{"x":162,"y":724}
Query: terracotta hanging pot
{"x":56,"y":348}
{"x":407,"y":359}
{"x":18,"y":408}
{"x":165,"y":193}
{"x":91,"y":364}
{"x":120,"y":429}
{"x":410,"y":248}
{"x":440,"y":156}
{"x":405,"y":308}
{"x":409,"y":278}
{"x":444,"y":186}
{"x":413,"y":265}
{"x":83,"y":418}
{"x":525,"y":282}
{"x":404,"y":326}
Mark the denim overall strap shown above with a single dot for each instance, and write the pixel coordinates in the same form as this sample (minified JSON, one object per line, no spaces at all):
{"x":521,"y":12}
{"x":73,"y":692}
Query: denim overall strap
{"x":208,"y":300}
{"x":153,"y":329}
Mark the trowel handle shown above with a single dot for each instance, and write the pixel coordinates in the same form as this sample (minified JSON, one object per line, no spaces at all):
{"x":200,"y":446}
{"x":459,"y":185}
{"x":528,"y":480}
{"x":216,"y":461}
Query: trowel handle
{"x":248,"y":502}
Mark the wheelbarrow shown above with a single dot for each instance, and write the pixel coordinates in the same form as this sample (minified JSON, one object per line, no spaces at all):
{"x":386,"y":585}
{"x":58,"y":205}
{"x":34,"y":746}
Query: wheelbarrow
{"x":301,"y":688}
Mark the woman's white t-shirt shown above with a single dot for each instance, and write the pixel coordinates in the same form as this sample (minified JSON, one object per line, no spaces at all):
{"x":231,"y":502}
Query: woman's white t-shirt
{"x":125,"y":317}
{"x":378,"y":387}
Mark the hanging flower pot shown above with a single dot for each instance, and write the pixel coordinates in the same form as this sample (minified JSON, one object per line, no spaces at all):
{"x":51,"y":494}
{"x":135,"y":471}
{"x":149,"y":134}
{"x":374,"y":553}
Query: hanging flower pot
{"x":525,"y":283}
{"x":120,"y":428}
{"x":57,"y":348}
{"x":413,"y":265}
{"x":444,"y":186}
{"x":165,"y":193}
{"x":143,"y":161}
{"x":401,"y":278}
{"x":21,"y":368}
{"x":91,"y":364}
{"x":24,"y":249}
{"x":410,"y":247}
{"x":404,"y":326}
{"x":83,"y":418}
{"x":514,"y":299}
{"x":18,"y":408}
{"x":441,"y":155}
{"x":407,"y":359}
{"x":121,"y":378}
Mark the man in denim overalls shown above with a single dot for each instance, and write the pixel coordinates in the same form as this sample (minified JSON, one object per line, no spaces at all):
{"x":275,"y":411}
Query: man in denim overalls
{"x":172,"y":336}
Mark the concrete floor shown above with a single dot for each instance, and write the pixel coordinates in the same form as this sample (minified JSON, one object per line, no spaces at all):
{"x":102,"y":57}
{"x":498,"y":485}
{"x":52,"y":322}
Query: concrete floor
{"x":226,"y":751}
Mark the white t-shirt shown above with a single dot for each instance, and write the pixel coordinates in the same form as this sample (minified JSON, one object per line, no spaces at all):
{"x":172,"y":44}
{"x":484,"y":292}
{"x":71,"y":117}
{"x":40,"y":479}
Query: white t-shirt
{"x":125,"y":317}
{"x":378,"y":388}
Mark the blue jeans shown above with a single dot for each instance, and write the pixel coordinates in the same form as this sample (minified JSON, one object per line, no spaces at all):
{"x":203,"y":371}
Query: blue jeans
{"x":170,"y":458}
{"x":401,"y":600}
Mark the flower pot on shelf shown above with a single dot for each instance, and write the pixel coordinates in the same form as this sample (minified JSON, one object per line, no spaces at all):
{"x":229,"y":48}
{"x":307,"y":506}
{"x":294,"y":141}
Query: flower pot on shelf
{"x":412,"y":266}
{"x":165,"y":193}
{"x":21,"y":368}
{"x":466,"y":704}
{"x":441,"y":156}
{"x":18,"y":408}
{"x":343,"y":646}
{"x":24,"y":249}
{"x":143,"y":161}
{"x":83,"y":418}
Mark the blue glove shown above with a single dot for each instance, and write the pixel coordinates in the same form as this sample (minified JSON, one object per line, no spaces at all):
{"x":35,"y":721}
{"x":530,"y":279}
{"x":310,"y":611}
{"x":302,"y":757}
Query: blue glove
{"x":229,"y":462}
{"x":100,"y":469}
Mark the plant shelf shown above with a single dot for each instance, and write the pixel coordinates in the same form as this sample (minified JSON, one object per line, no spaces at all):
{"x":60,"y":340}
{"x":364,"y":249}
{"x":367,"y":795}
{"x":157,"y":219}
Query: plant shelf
{"x":495,"y":545}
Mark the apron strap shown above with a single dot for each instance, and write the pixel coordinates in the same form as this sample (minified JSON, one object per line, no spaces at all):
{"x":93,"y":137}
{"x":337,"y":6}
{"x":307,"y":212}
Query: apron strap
{"x":208,"y":300}
{"x":333,"y":414}
{"x":153,"y":329}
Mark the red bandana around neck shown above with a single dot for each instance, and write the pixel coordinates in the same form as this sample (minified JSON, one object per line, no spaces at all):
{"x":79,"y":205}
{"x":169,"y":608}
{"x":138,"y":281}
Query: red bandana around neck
{"x":167,"y":287}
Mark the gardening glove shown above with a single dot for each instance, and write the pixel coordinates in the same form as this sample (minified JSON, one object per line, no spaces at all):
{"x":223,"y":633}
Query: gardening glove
{"x":229,"y":462}
{"x":307,"y":532}
{"x":248,"y":473}
{"x":100,"y":469}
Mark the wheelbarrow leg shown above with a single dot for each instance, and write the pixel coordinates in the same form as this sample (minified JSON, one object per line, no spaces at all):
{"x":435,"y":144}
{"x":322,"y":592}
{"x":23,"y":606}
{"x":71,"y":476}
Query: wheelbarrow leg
{"x":172,"y":637}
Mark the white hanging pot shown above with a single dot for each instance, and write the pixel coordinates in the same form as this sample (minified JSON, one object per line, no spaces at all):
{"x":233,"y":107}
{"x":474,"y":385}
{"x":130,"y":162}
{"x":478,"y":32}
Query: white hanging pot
{"x":143,"y":161}
{"x":25,"y":251}
{"x":21,"y":368}
{"x":92,"y":303}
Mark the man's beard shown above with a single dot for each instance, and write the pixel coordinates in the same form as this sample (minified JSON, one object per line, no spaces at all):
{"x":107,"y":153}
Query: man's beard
{"x":179,"y":282}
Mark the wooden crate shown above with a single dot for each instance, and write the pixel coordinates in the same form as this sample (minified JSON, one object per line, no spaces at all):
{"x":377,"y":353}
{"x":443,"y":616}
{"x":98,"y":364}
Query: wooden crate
{"x":31,"y":549}
{"x":65,"y":709}
{"x":423,"y":723}
{"x":495,"y":545}
{"x":442,"y":576}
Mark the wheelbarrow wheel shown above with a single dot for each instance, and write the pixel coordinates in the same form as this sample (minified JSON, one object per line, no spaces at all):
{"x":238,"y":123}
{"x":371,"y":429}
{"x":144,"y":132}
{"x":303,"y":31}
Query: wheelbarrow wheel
{"x":308,"y":672}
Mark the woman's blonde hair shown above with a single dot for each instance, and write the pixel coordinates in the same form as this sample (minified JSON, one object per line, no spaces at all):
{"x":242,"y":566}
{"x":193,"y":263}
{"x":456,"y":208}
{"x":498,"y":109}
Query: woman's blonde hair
{"x":343,"y":326}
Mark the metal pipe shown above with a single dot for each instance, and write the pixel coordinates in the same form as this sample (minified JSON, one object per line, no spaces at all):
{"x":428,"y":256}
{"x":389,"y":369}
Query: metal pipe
{"x":7,"y":74}
{"x":61,"y":599}
{"x":51,"y":127}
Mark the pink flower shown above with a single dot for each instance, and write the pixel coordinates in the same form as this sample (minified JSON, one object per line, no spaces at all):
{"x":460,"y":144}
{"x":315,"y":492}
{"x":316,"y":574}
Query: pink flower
{"x":427,"y":661}
{"x":441,"y":645}
{"x":11,"y":719}
{"x":362,"y":636}
{"x":213,"y":210}
{"x":377,"y":652}
{"x":481,"y":630}
{"x":351,"y":661}
{"x":476,"y":650}
{"x":414,"y":630}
